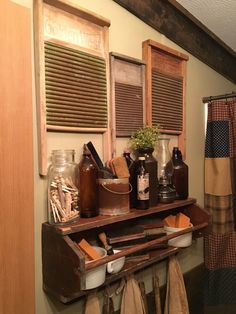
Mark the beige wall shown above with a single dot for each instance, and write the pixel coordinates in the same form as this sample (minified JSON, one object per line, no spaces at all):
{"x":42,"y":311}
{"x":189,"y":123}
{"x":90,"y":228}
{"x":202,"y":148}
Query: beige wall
{"x":126,"y":36}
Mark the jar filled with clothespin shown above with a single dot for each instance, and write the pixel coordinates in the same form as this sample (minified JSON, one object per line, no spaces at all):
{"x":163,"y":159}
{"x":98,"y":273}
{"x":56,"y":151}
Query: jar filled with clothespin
{"x":62,"y":192}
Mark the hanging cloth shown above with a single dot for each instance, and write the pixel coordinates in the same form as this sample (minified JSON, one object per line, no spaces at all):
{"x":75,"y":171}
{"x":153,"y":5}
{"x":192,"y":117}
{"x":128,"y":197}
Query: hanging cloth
{"x":132,"y":302}
{"x":220,"y":202}
{"x":176,"y":297}
{"x":156,"y":289}
{"x":92,"y":304}
{"x":108,"y":306}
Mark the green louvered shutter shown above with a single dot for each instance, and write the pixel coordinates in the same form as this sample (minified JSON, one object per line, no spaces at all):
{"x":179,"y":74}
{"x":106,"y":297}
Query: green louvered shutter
{"x":76,"y":89}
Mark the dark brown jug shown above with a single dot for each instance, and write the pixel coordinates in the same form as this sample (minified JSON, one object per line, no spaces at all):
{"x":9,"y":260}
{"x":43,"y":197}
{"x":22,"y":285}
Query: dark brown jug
{"x":180,"y":175}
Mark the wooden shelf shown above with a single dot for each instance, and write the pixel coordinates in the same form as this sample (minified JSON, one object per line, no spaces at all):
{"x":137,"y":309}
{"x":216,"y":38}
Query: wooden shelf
{"x":100,"y":221}
{"x":129,"y":267}
{"x":64,"y":268}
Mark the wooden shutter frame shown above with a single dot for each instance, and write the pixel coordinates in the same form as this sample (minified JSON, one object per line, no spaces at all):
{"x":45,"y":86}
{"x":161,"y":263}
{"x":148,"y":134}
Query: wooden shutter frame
{"x":64,"y":7}
{"x":113,"y":57}
{"x":148,"y":47}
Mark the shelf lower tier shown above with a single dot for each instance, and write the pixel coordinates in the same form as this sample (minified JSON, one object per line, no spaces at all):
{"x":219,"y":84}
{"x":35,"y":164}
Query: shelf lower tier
{"x":129,"y":268}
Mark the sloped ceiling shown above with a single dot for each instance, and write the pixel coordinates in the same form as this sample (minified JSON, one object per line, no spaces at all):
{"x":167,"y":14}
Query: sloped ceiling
{"x":187,"y":29}
{"x":219,"y":16}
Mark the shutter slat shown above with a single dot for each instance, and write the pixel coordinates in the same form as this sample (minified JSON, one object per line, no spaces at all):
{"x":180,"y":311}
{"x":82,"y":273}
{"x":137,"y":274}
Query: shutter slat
{"x":63,"y":79}
{"x":167,"y":101}
{"x":76,"y":92}
{"x":72,"y":53}
{"x":129,"y":108}
{"x":63,"y":95}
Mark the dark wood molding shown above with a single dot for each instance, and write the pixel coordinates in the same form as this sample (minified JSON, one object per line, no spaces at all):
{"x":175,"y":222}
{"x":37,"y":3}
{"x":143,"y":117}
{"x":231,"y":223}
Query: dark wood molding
{"x":177,"y":24}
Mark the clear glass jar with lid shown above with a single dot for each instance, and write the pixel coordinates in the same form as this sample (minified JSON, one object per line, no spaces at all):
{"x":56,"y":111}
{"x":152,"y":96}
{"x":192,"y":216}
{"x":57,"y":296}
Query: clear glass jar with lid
{"x":62,"y":192}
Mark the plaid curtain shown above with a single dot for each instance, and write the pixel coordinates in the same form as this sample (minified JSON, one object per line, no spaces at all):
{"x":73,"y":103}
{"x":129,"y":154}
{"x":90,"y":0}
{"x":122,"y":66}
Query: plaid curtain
{"x":220,"y":201}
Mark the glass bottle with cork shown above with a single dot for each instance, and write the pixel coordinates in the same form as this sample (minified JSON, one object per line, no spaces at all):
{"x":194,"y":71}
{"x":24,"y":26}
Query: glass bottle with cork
{"x":142,"y":185}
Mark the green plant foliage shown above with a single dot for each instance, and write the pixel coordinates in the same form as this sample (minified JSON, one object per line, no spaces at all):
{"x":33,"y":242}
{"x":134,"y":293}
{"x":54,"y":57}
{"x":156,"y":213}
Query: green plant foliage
{"x":145,"y":137}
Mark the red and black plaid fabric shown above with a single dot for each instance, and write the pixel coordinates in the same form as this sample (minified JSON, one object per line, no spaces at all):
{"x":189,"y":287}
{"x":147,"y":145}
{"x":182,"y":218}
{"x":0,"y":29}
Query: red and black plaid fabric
{"x":220,"y":244}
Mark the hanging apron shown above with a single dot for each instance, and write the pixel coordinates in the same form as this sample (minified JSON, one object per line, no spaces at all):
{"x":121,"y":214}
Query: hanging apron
{"x":92,"y":304}
{"x":176,"y":297}
{"x":132,"y":302}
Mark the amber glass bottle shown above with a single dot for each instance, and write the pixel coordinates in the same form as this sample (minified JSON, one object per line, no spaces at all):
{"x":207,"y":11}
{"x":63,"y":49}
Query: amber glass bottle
{"x":88,"y":201}
{"x":151,"y":168}
{"x":180,"y":175}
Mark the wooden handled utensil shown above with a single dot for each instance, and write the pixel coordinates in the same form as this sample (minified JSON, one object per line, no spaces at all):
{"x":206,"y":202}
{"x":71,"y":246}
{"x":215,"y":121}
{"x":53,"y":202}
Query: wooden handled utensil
{"x":102,"y":236}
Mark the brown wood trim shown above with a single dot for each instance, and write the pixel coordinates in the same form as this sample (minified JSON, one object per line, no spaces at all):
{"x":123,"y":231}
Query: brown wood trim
{"x":167,"y":50}
{"x":40,"y":86}
{"x":166,"y":18}
{"x":17,"y":234}
{"x":68,"y":7}
{"x":57,"y":128}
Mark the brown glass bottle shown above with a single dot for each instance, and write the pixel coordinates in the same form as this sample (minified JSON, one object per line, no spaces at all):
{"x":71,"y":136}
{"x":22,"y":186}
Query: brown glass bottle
{"x":142,"y":185}
{"x":151,"y":168}
{"x":180,"y":175}
{"x":88,"y":201}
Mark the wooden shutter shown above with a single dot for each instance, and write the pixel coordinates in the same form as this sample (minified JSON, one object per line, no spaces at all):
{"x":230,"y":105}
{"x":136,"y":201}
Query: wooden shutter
{"x":127,"y":94}
{"x":166,"y":79}
{"x":72,"y":72}
{"x":76,"y":94}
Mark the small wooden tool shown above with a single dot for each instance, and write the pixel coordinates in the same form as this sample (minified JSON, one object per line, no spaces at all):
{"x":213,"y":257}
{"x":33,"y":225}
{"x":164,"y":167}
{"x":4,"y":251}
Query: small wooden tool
{"x":119,"y":167}
{"x":88,"y":250}
{"x":102,"y":236}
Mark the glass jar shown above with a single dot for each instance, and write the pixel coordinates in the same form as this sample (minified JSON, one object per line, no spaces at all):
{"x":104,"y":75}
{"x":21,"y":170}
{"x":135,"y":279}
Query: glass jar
{"x":62,"y":192}
{"x":164,"y":159}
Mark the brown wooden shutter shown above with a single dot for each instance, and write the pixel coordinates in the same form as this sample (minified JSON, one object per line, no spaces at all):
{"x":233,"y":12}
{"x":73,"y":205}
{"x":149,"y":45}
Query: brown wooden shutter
{"x":165,"y":88}
{"x":127,"y":94}
{"x":71,"y":65}
{"x":76,"y":94}
{"x":167,"y":101}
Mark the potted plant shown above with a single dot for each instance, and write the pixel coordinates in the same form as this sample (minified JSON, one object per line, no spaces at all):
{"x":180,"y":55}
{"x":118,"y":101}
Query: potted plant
{"x":144,"y":139}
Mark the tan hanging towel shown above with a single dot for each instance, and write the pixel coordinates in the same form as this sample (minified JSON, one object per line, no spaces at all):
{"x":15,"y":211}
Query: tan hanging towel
{"x":92,"y":304}
{"x":176,"y":297}
{"x":132,"y":302}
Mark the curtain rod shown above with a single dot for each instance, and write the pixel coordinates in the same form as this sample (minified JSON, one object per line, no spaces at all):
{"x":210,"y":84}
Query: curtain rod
{"x":225,"y":96}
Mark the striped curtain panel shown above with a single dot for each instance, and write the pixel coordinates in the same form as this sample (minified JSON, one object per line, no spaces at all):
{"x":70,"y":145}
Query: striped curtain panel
{"x":220,"y":201}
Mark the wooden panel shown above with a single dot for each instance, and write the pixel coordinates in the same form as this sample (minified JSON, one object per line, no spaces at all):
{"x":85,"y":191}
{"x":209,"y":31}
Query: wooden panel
{"x":129,"y":109}
{"x":64,"y":23}
{"x":165,"y":96}
{"x":17,"y":293}
{"x":166,"y":63}
{"x":181,"y":27}
{"x":167,"y":101}
{"x":127,"y":95}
